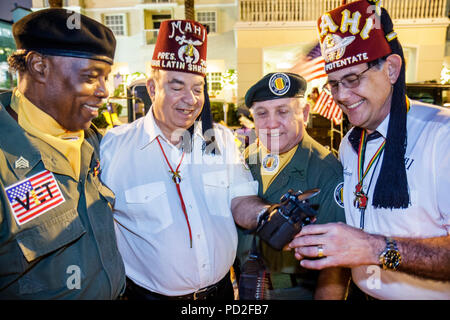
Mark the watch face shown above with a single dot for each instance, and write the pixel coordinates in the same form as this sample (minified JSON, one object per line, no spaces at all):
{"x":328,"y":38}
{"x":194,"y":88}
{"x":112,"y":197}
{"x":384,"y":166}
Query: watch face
{"x":392,"y":259}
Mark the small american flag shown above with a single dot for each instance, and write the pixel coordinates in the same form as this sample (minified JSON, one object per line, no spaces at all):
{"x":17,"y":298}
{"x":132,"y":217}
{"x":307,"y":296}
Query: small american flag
{"x":34,"y":196}
{"x":311,"y":66}
{"x":326,"y":107}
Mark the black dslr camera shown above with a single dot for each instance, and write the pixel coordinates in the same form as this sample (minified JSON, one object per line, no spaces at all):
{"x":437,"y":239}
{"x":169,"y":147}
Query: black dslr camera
{"x":282,"y":221}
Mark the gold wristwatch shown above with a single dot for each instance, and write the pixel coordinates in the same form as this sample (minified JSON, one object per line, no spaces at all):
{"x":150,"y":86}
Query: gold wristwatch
{"x":390,"y":258}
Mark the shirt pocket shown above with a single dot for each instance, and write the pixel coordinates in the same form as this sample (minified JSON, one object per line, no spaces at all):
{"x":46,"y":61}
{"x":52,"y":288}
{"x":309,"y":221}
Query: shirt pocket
{"x":216,"y":188}
{"x":44,"y":248}
{"x":149,"y":207}
{"x":50,"y":235}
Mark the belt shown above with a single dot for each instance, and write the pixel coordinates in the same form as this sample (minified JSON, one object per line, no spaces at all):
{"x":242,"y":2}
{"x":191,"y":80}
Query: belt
{"x":201,"y":294}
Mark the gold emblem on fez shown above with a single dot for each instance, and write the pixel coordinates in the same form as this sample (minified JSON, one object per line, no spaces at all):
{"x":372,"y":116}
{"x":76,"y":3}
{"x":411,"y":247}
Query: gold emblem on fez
{"x":188,"y":50}
{"x":333,"y":46}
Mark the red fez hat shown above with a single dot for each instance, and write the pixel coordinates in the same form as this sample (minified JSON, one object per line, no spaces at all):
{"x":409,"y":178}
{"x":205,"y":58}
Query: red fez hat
{"x":181,"y":46}
{"x":361,"y":32}
{"x":352,"y":34}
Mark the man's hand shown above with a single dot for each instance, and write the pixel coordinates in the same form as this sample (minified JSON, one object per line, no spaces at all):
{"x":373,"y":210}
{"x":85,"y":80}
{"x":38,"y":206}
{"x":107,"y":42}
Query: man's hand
{"x":342,"y":246}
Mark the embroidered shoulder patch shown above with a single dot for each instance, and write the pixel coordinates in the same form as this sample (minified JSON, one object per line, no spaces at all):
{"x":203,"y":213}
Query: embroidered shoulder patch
{"x":270,"y":162}
{"x":34,"y":196}
{"x":339,"y":194}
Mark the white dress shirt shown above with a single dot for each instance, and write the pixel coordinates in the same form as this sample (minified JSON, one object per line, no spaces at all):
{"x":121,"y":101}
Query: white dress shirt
{"x":427,"y":161}
{"x":151,"y":228}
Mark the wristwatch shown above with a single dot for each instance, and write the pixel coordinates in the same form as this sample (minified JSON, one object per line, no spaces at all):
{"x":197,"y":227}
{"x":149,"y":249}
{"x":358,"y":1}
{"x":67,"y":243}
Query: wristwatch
{"x":261,"y":214}
{"x":390,"y":258}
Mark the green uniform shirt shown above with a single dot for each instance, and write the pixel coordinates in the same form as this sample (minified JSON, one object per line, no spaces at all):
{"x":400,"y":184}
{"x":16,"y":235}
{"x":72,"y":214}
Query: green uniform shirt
{"x":69,"y":251}
{"x":312,"y":166}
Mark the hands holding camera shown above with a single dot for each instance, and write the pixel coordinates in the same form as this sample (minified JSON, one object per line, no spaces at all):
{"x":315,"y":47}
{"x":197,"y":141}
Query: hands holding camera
{"x":281,"y":222}
{"x":289,"y":225}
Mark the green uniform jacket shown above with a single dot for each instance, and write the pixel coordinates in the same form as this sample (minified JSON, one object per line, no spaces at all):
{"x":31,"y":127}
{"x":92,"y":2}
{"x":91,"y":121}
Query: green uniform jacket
{"x":70,"y":251}
{"x":312,"y":166}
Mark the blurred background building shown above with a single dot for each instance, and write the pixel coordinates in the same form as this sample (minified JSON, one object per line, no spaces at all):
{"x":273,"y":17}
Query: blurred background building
{"x":9,"y":13}
{"x":249,"y":38}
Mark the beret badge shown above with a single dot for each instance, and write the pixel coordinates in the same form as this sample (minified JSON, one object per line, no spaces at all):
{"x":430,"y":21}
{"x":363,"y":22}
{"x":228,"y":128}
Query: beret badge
{"x":279,"y":84}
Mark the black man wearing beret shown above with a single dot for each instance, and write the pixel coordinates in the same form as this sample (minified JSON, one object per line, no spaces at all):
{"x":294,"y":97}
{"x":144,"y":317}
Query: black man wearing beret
{"x":57,"y":236}
{"x":285,"y":157}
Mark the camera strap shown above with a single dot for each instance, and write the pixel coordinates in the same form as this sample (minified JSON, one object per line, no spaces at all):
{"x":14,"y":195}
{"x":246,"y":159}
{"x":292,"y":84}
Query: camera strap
{"x":254,"y":282}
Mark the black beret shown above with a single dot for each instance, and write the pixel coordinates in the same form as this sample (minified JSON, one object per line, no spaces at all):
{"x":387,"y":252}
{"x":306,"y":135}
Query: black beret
{"x":58,"y":32}
{"x":276,"y":86}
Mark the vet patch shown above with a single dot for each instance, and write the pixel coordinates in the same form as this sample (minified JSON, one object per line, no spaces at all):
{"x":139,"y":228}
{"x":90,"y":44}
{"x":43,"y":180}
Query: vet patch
{"x":34,"y":196}
{"x":339,"y":194}
{"x":270,"y":162}
{"x":279,"y":84}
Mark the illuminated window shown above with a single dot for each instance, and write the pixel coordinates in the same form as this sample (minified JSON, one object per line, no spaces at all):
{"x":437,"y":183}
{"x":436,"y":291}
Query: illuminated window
{"x":214,"y":80}
{"x":117,"y":23}
{"x":208,"y":18}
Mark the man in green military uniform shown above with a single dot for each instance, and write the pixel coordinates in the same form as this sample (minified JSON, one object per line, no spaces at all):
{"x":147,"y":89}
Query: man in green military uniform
{"x":285,"y":157}
{"x":57,"y":236}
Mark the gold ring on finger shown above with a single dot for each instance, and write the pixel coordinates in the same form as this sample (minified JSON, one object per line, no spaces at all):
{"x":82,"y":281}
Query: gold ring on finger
{"x":320,"y":251}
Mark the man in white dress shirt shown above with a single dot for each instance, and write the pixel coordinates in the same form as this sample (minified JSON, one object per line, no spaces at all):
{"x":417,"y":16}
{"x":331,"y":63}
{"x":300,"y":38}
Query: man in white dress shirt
{"x":396,"y":166}
{"x":177,"y":180}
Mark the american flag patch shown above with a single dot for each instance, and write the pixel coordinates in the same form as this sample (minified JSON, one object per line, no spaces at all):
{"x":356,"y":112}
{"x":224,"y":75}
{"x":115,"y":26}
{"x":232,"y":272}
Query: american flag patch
{"x":34,"y":196}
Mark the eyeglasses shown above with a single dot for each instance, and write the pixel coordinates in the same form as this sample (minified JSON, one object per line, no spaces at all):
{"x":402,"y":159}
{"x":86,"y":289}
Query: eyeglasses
{"x":349,"y":81}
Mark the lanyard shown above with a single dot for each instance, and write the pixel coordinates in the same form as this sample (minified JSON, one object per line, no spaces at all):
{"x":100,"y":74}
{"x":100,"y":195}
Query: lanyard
{"x":361,"y":154}
{"x":361,"y":199}
{"x":176,"y":178}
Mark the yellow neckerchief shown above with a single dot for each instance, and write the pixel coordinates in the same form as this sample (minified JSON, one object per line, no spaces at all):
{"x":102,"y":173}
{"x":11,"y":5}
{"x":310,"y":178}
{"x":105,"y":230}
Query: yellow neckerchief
{"x":270,"y":160}
{"x":43,"y":126}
